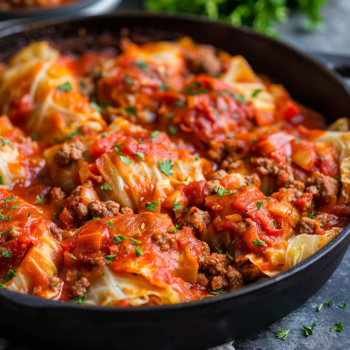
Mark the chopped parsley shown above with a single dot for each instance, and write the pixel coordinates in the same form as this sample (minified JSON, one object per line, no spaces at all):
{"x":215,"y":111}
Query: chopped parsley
{"x":308,"y":330}
{"x":128,"y":80}
{"x":10,"y":274}
{"x":217,"y":292}
{"x":109,"y":224}
{"x":254,"y":139}
{"x":73,"y":257}
{"x":109,"y":258}
{"x":54,"y":284}
{"x":330,"y":302}
{"x":218,"y":249}
{"x":191,"y":90}
{"x":131,"y":110}
{"x":1,"y":180}
{"x":179,"y":103}
{"x":40,"y":199}
{"x":256,"y":92}
{"x":151,"y":205}
{"x":141,"y":64}
{"x":275,"y":224}
{"x":258,"y":242}
{"x":173,"y":231}
{"x":96,"y":218}
{"x":135,"y":241}
{"x":2,"y":285}
{"x":66,"y":87}
{"x":259,"y":204}
{"x":269,"y":198}
{"x":8,"y":254}
{"x":138,"y":251}
{"x":6,"y":141}
{"x":12,"y":198}
{"x":164,"y":87}
{"x":154,"y":134}
{"x":82,"y":85}
{"x":80,"y":300}
{"x":298,"y":139}
{"x":14,"y":207}
{"x":238,"y":97}
{"x":119,"y":238}
{"x":342,"y":305}
{"x":172,"y":129}
{"x":176,"y":205}
{"x":282,"y":334}
{"x":140,"y":155}
{"x":95,"y":106}
{"x":319,"y":308}
{"x":34,"y":137}
{"x":310,"y":216}
{"x":166,"y":167}
{"x":337,"y":178}
{"x":74,"y":133}
{"x":244,"y":214}
{"x":105,"y":134}
{"x":339,"y":327}
{"x":106,"y":187}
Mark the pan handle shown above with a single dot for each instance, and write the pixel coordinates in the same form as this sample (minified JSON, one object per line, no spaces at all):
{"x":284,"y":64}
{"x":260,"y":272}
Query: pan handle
{"x":339,"y":64}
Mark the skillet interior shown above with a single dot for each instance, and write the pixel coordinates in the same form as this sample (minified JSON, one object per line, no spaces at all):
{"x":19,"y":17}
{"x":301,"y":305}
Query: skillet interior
{"x":201,"y":324}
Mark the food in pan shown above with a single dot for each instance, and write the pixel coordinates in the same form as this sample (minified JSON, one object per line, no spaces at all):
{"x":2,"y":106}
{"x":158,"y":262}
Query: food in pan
{"x":20,"y":4}
{"x":162,"y":173}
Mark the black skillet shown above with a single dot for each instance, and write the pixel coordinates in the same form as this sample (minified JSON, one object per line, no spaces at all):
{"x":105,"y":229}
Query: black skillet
{"x":47,"y":324}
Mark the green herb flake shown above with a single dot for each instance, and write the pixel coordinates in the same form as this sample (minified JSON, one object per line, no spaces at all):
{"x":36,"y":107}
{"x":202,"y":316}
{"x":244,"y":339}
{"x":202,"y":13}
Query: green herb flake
{"x":140,"y":155}
{"x":244,"y":214}
{"x":298,"y":139}
{"x":310,"y":216}
{"x":73,"y":257}
{"x":128,"y":80}
{"x":12,"y":198}
{"x":141,"y":64}
{"x":41,"y":199}
{"x":3,"y":285}
{"x":259,"y":205}
{"x":66,"y":87}
{"x":1,"y":180}
{"x":106,"y":187}
{"x":124,"y":159}
{"x":119,"y":238}
{"x":330,"y":302}
{"x":172,"y":129}
{"x":342,"y":305}
{"x":109,"y":258}
{"x":95,"y":106}
{"x":8,"y":254}
{"x":150,"y":206}
{"x":135,"y":241}
{"x":96,"y":218}
{"x":173,"y":231}
{"x":154,"y":134}
{"x":179,"y":103}
{"x":269,"y":198}
{"x":131,"y":110}
{"x":138,"y":251}
{"x":218,"y":249}
{"x":258,"y":242}
{"x":80,"y":300}
{"x":164,"y":87}
{"x":6,"y":142}
{"x":176,"y":205}
{"x":10,"y":274}
{"x":34,"y":137}
{"x":256,"y":92}
{"x":54,"y":284}
{"x":14,"y":207}
{"x":166,"y":167}
{"x":337,"y":178}
{"x":339,"y":327}
{"x":282,"y":334}
{"x":72,"y":134}
{"x":319,"y":308}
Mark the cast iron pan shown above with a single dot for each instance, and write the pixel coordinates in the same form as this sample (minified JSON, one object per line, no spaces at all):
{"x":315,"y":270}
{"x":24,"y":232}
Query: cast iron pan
{"x":47,"y":324}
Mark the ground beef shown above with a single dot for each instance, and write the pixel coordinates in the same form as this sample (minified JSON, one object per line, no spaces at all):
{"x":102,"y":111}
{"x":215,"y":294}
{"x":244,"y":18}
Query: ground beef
{"x":205,"y":248}
{"x":103,"y":209}
{"x":126,"y":210}
{"x":215,"y":263}
{"x":203,"y":60}
{"x":99,"y":264}
{"x":81,"y":210}
{"x":164,"y":242}
{"x":216,"y":151}
{"x":322,"y":186}
{"x":58,"y":233}
{"x":197,"y":219}
{"x":233,"y":276}
{"x":213,"y":186}
{"x":79,"y":287}
{"x":308,"y":226}
{"x":69,"y":152}
{"x":243,"y":226}
{"x":250,"y":272}
{"x":202,"y":280}
{"x":56,"y":194}
{"x":265,"y":166}
{"x":218,"y":282}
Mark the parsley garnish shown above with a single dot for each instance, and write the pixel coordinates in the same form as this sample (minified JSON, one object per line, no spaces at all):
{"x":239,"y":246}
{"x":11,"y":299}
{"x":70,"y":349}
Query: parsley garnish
{"x":10,"y":274}
{"x":1,"y":180}
{"x":124,"y":159}
{"x":119,"y":238}
{"x":298,"y":139}
{"x":218,"y":249}
{"x":54,"y":284}
{"x":109,"y":258}
{"x":73,"y":257}
{"x":65,"y":87}
{"x":342,"y":305}
{"x":140,"y":155}
{"x":319,"y":308}
{"x":131,"y":110}
{"x":172,"y":129}
{"x":128,"y":80}
{"x":337,"y":327}
{"x":244,"y":214}
{"x":13,"y":198}
{"x":269,"y":198}
{"x":138,"y":251}
{"x":176,"y":205}
{"x":105,"y":134}
{"x":6,"y":141}
{"x":164,"y":87}
{"x":2,"y":285}
{"x":106,"y":187}
{"x":173,"y":231}
{"x":329,"y":302}
{"x":166,"y":167}
{"x":80,"y":300}
{"x":40,"y":199}
{"x":256,"y":93}
{"x":8,"y":254}
{"x":154,"y":134}
{"x":74,"y":133}
{"x":141,"y":64}
{"x":96,"y":218}
{"x":308,"y":330}
{"x":179,"y":103}
{"x":282,"y":334}
{"x":258,"y":242}
{"x":190,"y":89}
{"x":135,"y":241}
{"x":149,"y":205}
{"x":34,"y":137}
{"x":14,"y":207}
{"x":95,"y":106}
{"x":259,"y":204}
{"x":337,"y":178}
{"x":217,"y":292}
{"x":310,"y":216}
